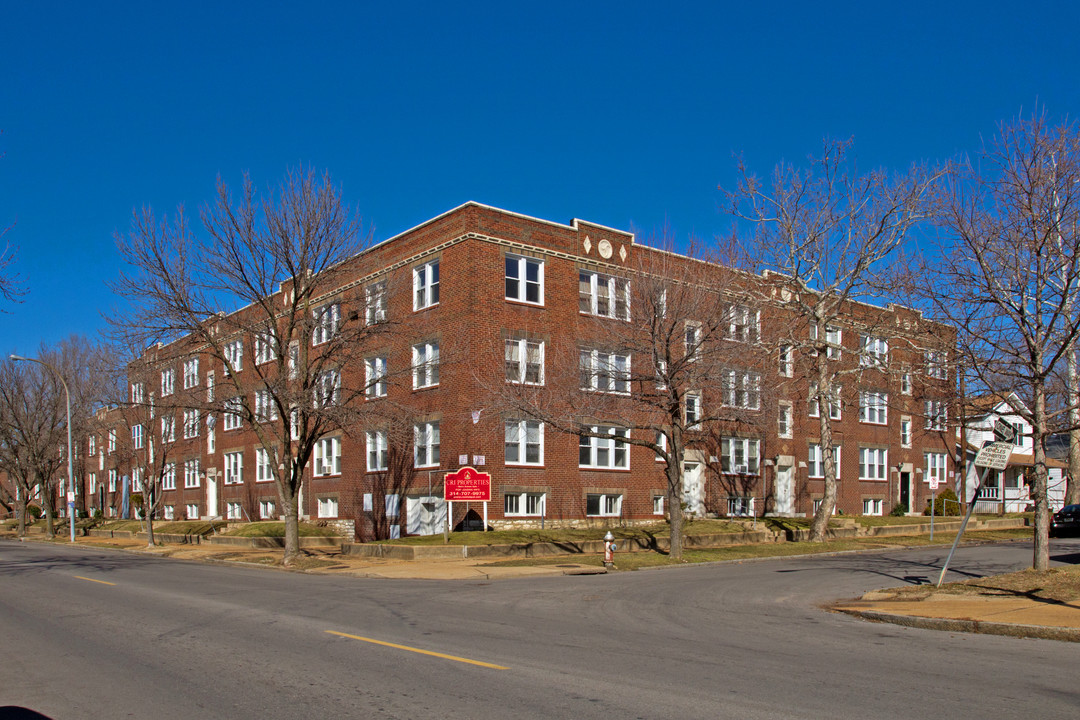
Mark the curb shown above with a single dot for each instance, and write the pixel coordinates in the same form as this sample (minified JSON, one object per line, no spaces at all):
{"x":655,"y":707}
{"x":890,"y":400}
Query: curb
{"x":982,"y":627}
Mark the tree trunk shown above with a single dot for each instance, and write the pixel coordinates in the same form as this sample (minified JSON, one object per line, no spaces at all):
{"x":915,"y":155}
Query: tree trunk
{"x":1041,"y":559}
{"x":1072,"y":479}
{"x":675,"y":511}
{"x":291,"y":510}
{"x":47,"y":502}
{"x":149,"y":513}
{"x":821,"y":518}
{"x":21,"y":505}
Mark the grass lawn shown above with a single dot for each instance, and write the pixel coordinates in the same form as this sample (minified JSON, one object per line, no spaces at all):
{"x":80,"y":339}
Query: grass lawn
{"x":277,"y":529}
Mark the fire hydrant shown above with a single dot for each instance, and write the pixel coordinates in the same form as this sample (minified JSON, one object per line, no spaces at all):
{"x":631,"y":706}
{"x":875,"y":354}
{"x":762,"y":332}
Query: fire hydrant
{"x":609,"y":551}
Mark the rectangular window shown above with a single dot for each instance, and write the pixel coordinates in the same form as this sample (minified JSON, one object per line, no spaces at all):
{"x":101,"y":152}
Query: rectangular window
{"x":603,"y":505}
{"x":191,"y":424}
{"x":905,"y":382}
{"x":525,"y":361}
{"x":604,"y":371}
{"x":875,"y":352}
{"x":426,"y":444}
{"x":376,"y":450}
{"x":692,"y":411}
{"x":834,"y":403}
{"x":327,"y":457}
{"x":692,"y":341}
{"x":741,"y":389}
{"x":740,"y":456}
{"x":210,"y":387}
{"x":265,"y":347}
{"x":785,"y":361}
{"x":525,"y":279}
{"x":191,"y":373}
{"x":137,"y":480}
{"x":231,"y":416}
{"x":524,"y":442}
{"x":873,"y":464}
{"x":137,"y":437}
{"x":168,"y":477}
{"x":375,"y":377}
{"x":113,"y":473}
{"x":112,"y":441}
{"x":603,"y":295}
{"x":138,"y":393}
{"x":328,"y":507}
{"x":833,"y":338}
{"x":234,"y":467}
{"x":328,"y":389}
{"x":784,"y":420}
{"x":91,"y":482}
{"x":265,"y":407}
{"x":169,"y":511}
{"x":526,"y":504}
{"x":191,"y":474}
{"x":905,"y":432}
{"x":264,"y":471}
{"x":392,"y":503}
{"x":871,"y":506}
{"x":375,"y":303}
{"x":168,"y":382}
{"x":935,"y":466}
{"x":425,"y":365}
{"x":816,"y":463}
{"x":937,"y":414}
{"x":606,"y":452}
{"x":426,"y":285}
{"x":326,"y":319}
{"x":874,"y":407}
{"x":91,"y":445}
{"x":234,"y":356}
{"x":168,"y":428}
{"x":192,"y":511}
{"x":266,"y":509}
{"x":745,"y":324}
{"x":233,"y":511}
{"x":936,"y":364}
{"x":657,"y":504}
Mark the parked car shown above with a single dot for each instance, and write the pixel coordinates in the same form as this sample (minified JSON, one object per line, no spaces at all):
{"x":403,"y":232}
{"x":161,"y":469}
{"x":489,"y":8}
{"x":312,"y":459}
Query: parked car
{"x":1065,"y":521}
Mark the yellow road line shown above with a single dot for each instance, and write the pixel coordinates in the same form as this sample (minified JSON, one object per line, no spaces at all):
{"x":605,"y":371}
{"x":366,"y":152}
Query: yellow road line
{"x":422,"y":652}
{"x":93,"y":580}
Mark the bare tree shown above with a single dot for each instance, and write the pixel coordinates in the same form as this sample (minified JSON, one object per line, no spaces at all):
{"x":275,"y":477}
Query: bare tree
{"x":1006,"y":273}
{"x":10,"y":286}
{"x":257,"y":294}
{"x":829,"y":233}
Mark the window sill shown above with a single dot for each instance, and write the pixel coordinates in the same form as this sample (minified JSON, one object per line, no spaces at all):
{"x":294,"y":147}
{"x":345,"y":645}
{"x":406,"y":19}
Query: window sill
{"x":526,"y":466}
{"x":603,"y":469}
{"x":426,"y":307}
{"x":526,"y":303}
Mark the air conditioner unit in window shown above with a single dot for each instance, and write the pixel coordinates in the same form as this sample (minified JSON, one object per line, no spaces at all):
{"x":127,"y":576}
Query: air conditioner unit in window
{"x":739,"y":469}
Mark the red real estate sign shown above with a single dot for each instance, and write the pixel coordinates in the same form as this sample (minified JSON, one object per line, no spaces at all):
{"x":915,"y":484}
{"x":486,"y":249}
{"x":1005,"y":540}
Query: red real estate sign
{"x":467,"y":485}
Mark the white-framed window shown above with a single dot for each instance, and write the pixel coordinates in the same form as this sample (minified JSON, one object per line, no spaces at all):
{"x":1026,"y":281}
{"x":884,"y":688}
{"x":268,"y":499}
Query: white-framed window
{"x":168,"y":476}
{"x":937,"y":364}
{"x":265,"y":407}
{"x":935,"y":466}
{"x":662,"y":443}
{"x":603,"y":504}
{"x":91,"y":483}
{"x":113,"y":476}
{"x":425,"y":364}
{"x":327,"y":457}
{"x":138,"y":393}
{"x":905,"y":381}
{"x":784,"y":419}
{"x":692,"y":341}
{"x":525,"y":361}
{"x":91,"y":445}
{"x":293,"y":361}
{"x":375,"y":303}
{"x":873,"y":463}
{"x":111,"y":443}
{"x":328,"y":507}
{"x":234,"y":467}
{"x":191,"y":510}
{"x":191,"y":373}
{"x":524,"y":504}
{"x":232,"y":417}
{"x":816,"y":464}
{"x":525,"y":279}
{"x":833,"y":340}
{"x":169,"y":512}
{"x":168,"y":428}
{"x":834,"y":403}
{"x":294,"y":423}
{"x":524,"y":442}
{"x":426,"y":444}
{"x":328,"y":389}
{"x":872,"y":506}
{"x":657,"y":504}
{"x":603,"y":295}
{"x":191,"y":474}
{"x":607,"y":452}
{"x":233,"y":511}
{"x":786,"y":363}
{"x":267,"y":509}
{"x":692,"y":410}
{"x":905,"y":431}
{"x":168,"y":382}
{"x":937,"y":414}
{"x":377,"y":458}
{"x":191,"y":424}
{"x":392,"y":503}
{"x":874,"y":407}
{"x":375,"y":377}
{"x":137,"y":479}
{"x":234,"y":355}
{"x":426,"y":285}
{"x":875,"y":352}
{"x":740,"y":456}
{"x":604,"y":371}
{"x":745,"y":324}
{"x":210,"y":386}
{"x":326,"y":319}
{"x":661,"y":374}
{"x":265,"y":347}
{"x":264,"y":471}
{"x":137,"y":436}
{"x":741,"y":389}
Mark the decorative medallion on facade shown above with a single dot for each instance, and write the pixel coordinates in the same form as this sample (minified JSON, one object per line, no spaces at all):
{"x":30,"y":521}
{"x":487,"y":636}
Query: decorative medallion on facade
{"x":604,"y":248}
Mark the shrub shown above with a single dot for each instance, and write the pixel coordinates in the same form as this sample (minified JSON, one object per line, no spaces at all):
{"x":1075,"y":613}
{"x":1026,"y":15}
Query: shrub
{"x":899,"y":510}
{"x":946,"y":503}
{"x":34,"y":511}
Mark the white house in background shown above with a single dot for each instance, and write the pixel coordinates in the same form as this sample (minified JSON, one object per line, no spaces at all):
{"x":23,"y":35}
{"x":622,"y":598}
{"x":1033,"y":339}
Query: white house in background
{"x":1005,"y":490}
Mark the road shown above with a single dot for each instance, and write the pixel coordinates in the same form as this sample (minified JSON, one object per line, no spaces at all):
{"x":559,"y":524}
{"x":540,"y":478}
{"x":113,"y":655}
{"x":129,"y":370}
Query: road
{"x":92,"y":633}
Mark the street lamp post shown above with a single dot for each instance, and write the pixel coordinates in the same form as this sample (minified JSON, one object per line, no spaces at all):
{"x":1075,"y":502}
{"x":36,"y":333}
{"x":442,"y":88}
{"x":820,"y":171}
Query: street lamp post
{"x":71,"y":476}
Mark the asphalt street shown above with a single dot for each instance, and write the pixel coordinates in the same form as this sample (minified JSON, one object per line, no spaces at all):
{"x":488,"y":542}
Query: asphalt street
{"x":90,"y":634}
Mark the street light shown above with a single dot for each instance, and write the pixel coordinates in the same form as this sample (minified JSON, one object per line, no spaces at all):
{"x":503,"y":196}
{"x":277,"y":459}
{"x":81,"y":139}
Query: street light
{"x":71,"y":476}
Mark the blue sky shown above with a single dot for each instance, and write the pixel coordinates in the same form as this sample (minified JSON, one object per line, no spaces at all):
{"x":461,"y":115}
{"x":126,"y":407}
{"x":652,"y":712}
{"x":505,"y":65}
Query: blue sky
{"x":627,"y":114}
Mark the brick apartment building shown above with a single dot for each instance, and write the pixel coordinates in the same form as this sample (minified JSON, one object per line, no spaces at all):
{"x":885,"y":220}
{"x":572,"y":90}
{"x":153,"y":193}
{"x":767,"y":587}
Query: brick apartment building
{"x":479,"y":292}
